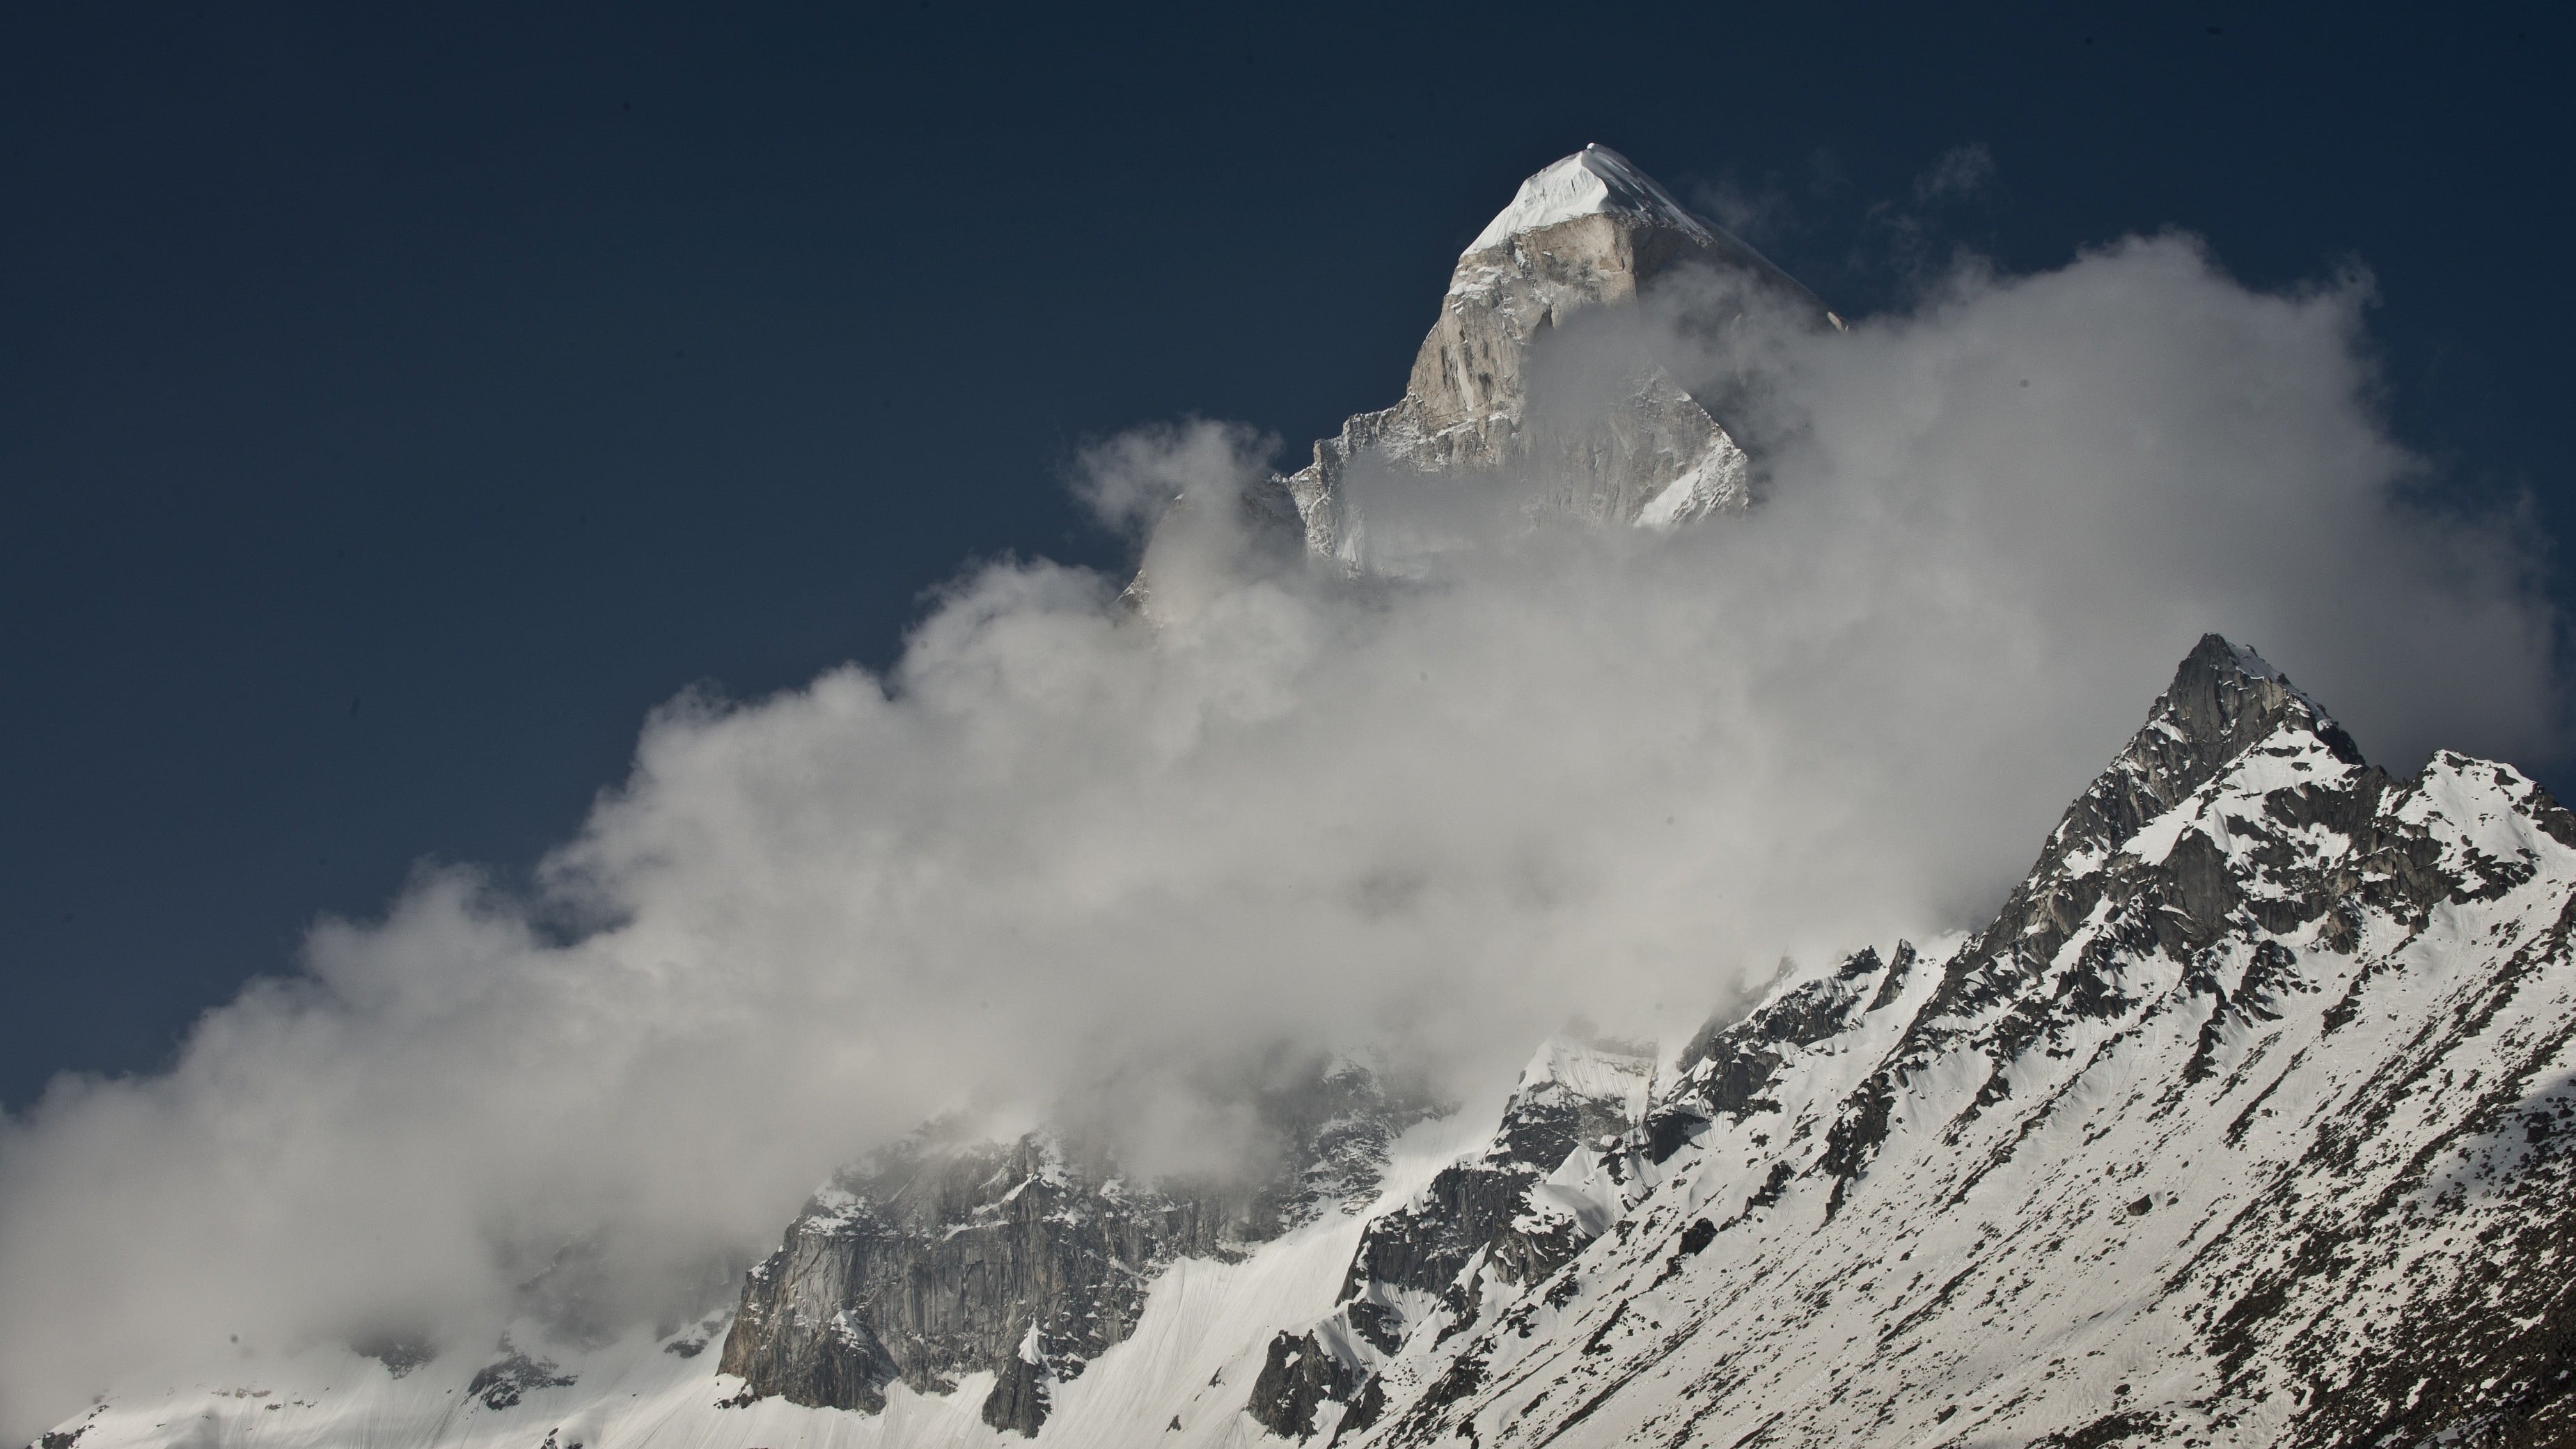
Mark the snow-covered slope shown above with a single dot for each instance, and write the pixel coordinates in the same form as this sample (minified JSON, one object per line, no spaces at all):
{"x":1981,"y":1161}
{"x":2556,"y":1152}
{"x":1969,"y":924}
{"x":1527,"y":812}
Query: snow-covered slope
{"x":2246,"y":1121}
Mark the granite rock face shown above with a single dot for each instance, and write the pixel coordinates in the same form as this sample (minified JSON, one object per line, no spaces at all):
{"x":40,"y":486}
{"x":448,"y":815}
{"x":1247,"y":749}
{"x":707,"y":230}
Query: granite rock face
{"x":1610,"y":439}
{"x":945,"y":1256}
{"x":1548,"y":1182}
{"x":1298,"y":1378}
{"x":1624,"y":444}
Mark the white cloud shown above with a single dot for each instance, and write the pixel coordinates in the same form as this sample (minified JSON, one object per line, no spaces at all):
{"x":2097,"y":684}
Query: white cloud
{"x":1568,"y":770}
{"x":1129,"y":481}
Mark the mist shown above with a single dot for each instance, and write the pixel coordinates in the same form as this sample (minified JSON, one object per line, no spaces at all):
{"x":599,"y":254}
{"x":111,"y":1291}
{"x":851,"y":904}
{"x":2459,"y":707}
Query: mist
{"x":1061,"y":855}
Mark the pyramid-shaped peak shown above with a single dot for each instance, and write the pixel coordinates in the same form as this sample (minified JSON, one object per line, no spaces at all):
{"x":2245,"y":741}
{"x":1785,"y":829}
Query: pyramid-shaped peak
{"x":1593,"y":181}
{"x":2225,"y":700}
{"x":2225,"y":693}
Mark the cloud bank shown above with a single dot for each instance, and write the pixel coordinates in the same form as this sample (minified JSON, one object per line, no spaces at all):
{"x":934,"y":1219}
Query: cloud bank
{"x":1564,"y":771}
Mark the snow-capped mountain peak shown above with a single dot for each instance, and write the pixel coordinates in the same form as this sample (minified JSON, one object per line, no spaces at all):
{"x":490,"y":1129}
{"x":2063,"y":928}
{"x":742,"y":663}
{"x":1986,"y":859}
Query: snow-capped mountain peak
{"x":1589,"y":234}
{"x":1591,"y":182}
{"x":2248,"y":1119}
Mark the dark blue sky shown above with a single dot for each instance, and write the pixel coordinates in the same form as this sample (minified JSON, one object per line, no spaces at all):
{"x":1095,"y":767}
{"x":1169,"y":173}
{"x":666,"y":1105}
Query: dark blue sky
{"x":392,"y":410}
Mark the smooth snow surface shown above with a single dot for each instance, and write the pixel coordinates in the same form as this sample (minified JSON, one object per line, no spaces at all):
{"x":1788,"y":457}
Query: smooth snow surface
{"x":1590,"y":182}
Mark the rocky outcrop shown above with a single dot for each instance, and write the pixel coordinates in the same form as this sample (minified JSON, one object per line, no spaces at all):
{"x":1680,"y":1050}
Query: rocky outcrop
{"x":945,"y":1255}
{"x":1299,"y":1376}
{"x":1020,"y":1397}
{"x":1730,"y":1070}
{"x":1520,"y":1206}
{"x":513,"y":1376}
{"x":1556,"y":1172}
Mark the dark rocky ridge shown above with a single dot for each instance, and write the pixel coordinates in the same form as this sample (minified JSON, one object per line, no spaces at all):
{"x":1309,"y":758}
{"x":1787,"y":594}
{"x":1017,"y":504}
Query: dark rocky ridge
{"x":2008,"y":987}
{"x":1478,"y":1211}
{"x":2236,"y":905}
{"x":1298,"y":1377}
{"x":1725,"y":1069}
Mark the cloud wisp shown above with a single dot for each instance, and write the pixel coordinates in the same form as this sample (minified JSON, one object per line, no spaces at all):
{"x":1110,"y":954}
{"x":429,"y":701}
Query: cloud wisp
{"x":1561,"y":771}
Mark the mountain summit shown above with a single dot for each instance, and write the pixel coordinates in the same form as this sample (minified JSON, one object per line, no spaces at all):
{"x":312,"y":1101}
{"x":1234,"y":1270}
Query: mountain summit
{"x":1582,"y":243}
{"x":1592,"y":181}
{"x":1589,"y":234}
{"x":1597,"y":181}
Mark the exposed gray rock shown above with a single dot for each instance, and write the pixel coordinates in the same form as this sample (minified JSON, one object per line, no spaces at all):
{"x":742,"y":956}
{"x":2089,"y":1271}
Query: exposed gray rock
{"x":1625,"y":444}
{"x":942,"y":1257}
{"x":1611,"y":438}
{"x":1477,"y":1216}
{"x":515,"y":1374}
{"x":1298,"y":1376}
{"x":1020,"y":1398}
{"x":1572,"y":1121}
{"x":1726,"y":1070}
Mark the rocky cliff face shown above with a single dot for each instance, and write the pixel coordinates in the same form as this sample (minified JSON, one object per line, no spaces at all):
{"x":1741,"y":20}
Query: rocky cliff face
{"x":946,"y":1256}
{"x":1587,"y":236}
